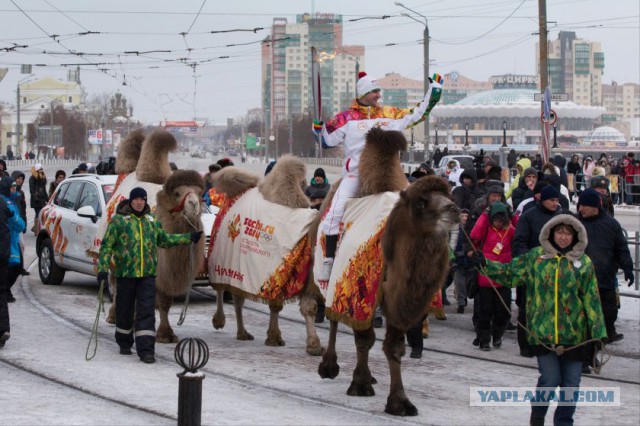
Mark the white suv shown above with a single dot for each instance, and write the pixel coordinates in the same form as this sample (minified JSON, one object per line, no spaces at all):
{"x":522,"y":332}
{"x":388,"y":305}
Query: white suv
{"x":68,"y":224}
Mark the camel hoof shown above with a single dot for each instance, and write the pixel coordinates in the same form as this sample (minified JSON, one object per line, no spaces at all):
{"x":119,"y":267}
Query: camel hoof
{"x":402,"y":407}
{"x":315,"y":350}
{"x":218,"y":322}
{"x":373,"y":381}
{"x":328,"y":371}
{"x":110,"y":319}
{"x":276,"y":341}
{"x":360,"y":389}
{"x":244,"y":335}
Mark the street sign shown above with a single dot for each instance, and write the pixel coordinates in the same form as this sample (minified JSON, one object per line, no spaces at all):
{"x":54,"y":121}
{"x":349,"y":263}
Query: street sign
{"x":555,"y":97}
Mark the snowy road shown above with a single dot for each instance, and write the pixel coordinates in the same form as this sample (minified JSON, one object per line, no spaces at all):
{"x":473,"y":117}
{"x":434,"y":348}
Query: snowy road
{"x":46,"y":379}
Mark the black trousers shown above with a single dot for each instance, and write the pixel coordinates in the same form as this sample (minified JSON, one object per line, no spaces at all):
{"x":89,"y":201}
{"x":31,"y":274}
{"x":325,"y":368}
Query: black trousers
{"x":609,"y":309}
{"x":136,"y":297}
{"x":491,"y":315}
{"x":414,"y":335}
{"x":4,"y":288}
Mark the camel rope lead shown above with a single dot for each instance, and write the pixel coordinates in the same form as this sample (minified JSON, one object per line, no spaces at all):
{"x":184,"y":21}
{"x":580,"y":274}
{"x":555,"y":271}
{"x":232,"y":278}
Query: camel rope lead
{"x":94,"y":329}
{"x":558,"y":350}
{"x":185,"y":308}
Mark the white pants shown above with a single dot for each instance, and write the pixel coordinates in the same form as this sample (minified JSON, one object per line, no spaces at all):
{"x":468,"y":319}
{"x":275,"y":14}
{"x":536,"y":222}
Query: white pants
{"x":347,"y":189}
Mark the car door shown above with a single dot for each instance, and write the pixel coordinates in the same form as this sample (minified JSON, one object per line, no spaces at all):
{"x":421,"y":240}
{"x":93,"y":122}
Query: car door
{"x":62,"y":227}
{"x":85,"y":228}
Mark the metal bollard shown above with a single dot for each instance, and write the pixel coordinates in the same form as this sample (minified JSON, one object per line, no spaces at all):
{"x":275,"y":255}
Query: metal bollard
{"x":190,"y":380}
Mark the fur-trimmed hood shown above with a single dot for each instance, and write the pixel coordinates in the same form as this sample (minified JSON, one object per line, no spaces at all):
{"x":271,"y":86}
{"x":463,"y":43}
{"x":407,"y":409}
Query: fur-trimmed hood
{"x":565,"y":218}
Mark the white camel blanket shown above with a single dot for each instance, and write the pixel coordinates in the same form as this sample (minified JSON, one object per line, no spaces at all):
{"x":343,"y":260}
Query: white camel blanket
{"x":122,"y":193}
{"x":260,"y":248}
{"x":350,"y":294}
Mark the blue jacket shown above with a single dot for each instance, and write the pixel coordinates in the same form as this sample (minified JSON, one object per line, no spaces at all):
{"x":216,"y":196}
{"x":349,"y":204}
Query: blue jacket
{"x":16,"y":226}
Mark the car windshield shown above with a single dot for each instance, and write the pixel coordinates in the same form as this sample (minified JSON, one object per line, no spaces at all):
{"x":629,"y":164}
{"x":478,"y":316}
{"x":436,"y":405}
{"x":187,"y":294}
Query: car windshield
{"x":108,"y":191}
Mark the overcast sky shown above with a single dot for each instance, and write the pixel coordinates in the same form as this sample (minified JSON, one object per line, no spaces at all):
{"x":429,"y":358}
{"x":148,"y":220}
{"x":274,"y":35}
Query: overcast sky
{"x":476,"y":38}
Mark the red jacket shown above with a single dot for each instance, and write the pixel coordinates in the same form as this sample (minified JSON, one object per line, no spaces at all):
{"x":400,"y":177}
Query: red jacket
{"x":487,"y":238}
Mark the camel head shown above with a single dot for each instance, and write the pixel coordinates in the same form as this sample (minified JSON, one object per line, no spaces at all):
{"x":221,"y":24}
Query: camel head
{"x":430,"y":205}
{"x":181,"y":195}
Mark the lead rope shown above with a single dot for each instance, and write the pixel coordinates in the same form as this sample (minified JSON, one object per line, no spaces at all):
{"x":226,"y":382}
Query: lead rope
{"x":558,"y":350}
{"x":183,"y":314}
{"x":94,"y":329}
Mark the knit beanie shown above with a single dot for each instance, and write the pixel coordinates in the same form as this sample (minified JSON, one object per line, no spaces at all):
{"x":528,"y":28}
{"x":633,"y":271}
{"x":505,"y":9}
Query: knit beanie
{"x":5,"y":186}
{"x":590,"y":197}
{"x":365,"y":85}
{"x":530,"y":171}
{"x":137,"y":192}
{"x":496,"y":208}
{"x":549,"y":192}
{"x":320,"y":172}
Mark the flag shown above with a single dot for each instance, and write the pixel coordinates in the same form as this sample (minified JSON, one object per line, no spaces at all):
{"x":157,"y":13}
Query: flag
{"x":316,"y":92}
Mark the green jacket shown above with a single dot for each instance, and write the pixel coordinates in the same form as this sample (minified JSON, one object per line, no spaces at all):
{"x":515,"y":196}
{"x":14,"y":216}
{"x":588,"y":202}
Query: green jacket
{"x":563,"y":303}
{"x":132,"y":241}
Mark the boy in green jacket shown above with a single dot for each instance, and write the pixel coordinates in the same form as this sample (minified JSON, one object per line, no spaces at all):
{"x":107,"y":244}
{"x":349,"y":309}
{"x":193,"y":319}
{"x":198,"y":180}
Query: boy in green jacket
{"x":563,"y":306}
{"x":131,"y":239}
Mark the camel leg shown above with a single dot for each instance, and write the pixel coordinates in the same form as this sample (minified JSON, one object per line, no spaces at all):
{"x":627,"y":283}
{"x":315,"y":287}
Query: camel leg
{"x":329,"y":368}
{"x":219,"y":318}
{"x":242,"y":333}
{"x":274,"y":336}
{"x":164,"y":333}
{"x":308,"y":307}
{"x":397,"y":402}
{"x":361,"y":384}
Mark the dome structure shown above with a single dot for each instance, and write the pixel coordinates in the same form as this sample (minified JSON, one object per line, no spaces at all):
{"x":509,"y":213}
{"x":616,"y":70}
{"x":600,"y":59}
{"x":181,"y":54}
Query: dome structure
{"x":507,"y":103}
{"x":605,"y":135}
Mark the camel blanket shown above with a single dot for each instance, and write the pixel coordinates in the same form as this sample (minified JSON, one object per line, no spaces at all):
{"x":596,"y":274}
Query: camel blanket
{"x":357,"y":270}
{"x":260,"y":249}
{"x":123,"y":188}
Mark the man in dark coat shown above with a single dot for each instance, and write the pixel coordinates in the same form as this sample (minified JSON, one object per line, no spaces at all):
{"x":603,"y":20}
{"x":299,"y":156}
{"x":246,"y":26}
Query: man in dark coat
{"x":466,"y":194}
{"x":527,"y":236}
{"x":608,"y":250}
{"x":561,"y":162}
{"x":525,"y":187}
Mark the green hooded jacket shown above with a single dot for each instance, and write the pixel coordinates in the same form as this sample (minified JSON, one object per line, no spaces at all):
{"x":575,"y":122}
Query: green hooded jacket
{"x":563,"y":304}
{"x":133,"y":240}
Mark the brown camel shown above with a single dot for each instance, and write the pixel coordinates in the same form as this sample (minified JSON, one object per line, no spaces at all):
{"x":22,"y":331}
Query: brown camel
{"x":283,"y":185}
{"x":415,"y":250}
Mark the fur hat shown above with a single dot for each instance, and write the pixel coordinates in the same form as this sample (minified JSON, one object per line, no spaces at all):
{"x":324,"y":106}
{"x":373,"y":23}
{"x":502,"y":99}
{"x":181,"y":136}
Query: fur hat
{"x":549,"y":192}
{"x":590,"y":198}
{"x":38,"y":167}
{"x":365,"y":85}
{"x":137,"y":192}
{"x":600,"y":182}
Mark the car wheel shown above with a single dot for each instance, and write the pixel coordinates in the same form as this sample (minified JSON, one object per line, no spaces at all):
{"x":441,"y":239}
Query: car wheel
{"x":50,"y":272}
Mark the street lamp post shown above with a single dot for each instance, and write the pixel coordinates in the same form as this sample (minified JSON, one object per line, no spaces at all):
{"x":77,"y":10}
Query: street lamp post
{"x":425,"y":40}
{"x":504,"y":148}
{"x":436,"y":142}
{"x":466,"y":135}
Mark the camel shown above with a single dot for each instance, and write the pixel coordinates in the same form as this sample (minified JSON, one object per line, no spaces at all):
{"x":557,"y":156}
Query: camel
{"x":415,"y":250}
{"x":175,"y":198}
{"x":284,"y":186}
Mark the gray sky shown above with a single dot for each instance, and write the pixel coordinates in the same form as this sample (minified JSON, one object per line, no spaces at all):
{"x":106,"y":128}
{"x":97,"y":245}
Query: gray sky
{"x":476,"y":38}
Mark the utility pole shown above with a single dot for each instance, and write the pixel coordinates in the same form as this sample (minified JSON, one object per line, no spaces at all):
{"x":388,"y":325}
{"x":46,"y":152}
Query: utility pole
{"x":544,"y":54}
{"x":425,"y":41}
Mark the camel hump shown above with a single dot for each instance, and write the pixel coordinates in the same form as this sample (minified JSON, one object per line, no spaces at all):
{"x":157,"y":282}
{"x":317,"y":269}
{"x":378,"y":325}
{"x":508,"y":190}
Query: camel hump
{"x":233,"y":181}
{"x":387,"y":141}
{"x":129,"y":152}
{"x":283,"y":185}
{"x":183,"y":178}
{"x":153,"y":165}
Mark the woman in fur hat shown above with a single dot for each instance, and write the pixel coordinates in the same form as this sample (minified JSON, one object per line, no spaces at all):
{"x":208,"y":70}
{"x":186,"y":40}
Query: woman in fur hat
{"x":38,"y":191}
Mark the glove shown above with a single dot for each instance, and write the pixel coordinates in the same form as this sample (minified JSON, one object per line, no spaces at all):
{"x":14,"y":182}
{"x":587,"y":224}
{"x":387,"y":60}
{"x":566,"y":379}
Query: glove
{"x":103,"y":276}
{"x":628,"y":275}
{"x":317,"y":126}
{"x":478,"y":260}
{"x":195,"y":237}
